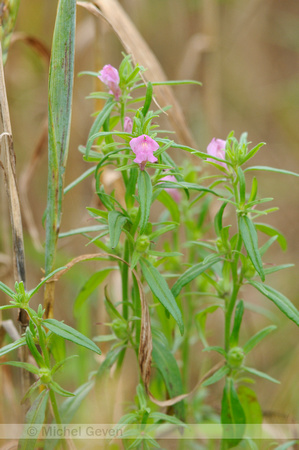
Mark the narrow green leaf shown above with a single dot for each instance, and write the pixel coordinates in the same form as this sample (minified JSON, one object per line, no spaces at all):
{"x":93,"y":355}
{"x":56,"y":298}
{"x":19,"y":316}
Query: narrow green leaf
{"x":33,"y":291}
{"x":252,"y":152}
{"x":161,"y":290}
{"x":253,"y":193}
{"x":163,"y":230}
{"x":7,"y":290}
{"x":277,"y":268}
{"x":105,"y":338}
{"x":157,"y":416}
{"x":10,"y":347}
{"x":260,"y":374}
{"x":148,"y":98}
{"x":193,"y":272}
{"x":218,"y":219}
{"x":254,"y":340}
{"x":233,"y":418}
{"x":252,"y":409}
{"x":171,"y":83}
{"x":59,"y":390}
{"x":70,"y":334}
{"x":30,"y":367}
{"x":70,"y":406}
{"x":8,"y":307}
{"x":166,"y":199}
{"x":97,"y":125}
{"x":34,"y":417}
{"x":116,"y":221}
{"x":184,"y":185}
{"x":271,"y":169}
{"x":59,"y":112}
{"x":91,"y":284}
{"x":242,"y":185}
{"x":234,"y":338}
{"x":282,"y":302}
{"x":167,"y":365}
{"x":68,"y":409}
{"x":61,"y":363}
{"x":32,"y":347}
{"x":249,"y":237}
{"x":201,"y":318}
{"x":82,"y":230}
{"x":217,"y":376}
{"x":217,"y":349}
{"x":145,"y":192}
{"x":79,"y":179}
{"x":131,"y":188}
{"x":271,"y":231}
{"x":110,"y":359}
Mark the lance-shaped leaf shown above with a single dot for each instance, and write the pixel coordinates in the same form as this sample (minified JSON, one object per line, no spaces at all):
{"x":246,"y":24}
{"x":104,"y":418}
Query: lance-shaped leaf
{"x":167,"y":365}
{"x":282,"y":302}
{"x":8,"y":348}
{"x":145,"y":191}
{"x":249,"y":237}
{"x":34,"y":420}
{"x":233,"y":417}
{"x":70,"y":334}
{"x":193,"y":272}
{"x":256,"y":338}
{"x":116,"y":221}
{"x":60,"y":107}
{"x":160,"y":289}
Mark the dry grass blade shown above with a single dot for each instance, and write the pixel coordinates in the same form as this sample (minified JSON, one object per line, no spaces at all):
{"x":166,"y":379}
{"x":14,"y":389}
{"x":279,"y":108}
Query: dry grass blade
{"x":34,"y":43}
{"x":135,"y":45}
{"x":25,"y":178}
{"x":7,"y":160}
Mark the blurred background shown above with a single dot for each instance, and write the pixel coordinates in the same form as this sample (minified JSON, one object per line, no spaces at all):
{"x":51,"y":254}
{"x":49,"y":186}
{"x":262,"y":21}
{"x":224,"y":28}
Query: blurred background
{"x":246,"y":54}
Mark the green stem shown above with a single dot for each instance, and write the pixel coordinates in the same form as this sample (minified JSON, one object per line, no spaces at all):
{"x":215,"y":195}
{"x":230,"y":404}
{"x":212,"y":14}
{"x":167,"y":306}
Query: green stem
{"x":230,"y":303}
{"x":125,"y":280}
{"x":56,"y":414}
{"x":125,"y":295}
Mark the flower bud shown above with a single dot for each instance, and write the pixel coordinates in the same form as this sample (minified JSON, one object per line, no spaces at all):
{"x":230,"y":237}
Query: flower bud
{"x":45,"y":375}
{"x":120,"y":328}
{"x":142,"y":243}
{"x":235,"y":357}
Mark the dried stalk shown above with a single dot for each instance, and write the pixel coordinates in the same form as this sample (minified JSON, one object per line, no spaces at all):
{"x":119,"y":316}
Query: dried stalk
{"x":7,"y":163}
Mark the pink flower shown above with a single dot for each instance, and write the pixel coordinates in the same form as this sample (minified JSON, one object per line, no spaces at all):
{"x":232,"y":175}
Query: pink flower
{"x":217,"y":148}
{"x":128,"y":124}
{"x":175,"y":194}
{"x":143,"y":146}
{"x":109,"y":76}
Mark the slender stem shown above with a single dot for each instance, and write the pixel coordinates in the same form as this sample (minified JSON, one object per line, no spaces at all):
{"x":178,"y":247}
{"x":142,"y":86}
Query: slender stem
{"x":125,"y":280}
{"x":56,"y":414}
{"x":125,"y":295}
{"x":230,"y":303}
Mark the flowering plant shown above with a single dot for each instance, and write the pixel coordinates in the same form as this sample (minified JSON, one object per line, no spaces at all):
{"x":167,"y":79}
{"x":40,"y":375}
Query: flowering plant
{"x":169,"y":287}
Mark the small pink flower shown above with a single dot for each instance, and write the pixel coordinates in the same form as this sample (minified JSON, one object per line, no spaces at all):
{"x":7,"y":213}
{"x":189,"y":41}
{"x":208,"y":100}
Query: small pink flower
{"x":217,"y":148}
{"x":128,"y":124}
{"x":143,"y":146}
{"x":109,"y":76}
{"x":175,"y":194}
